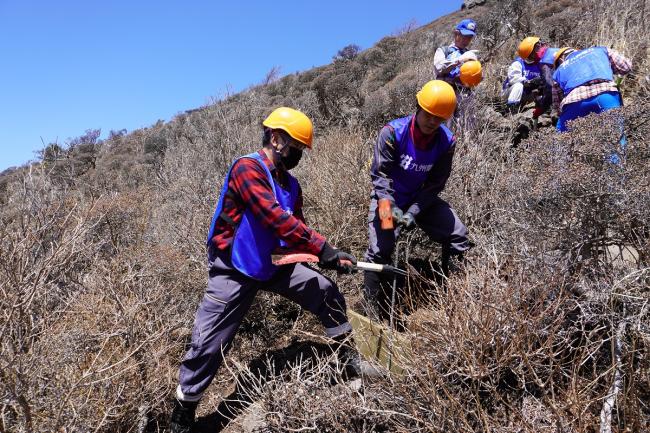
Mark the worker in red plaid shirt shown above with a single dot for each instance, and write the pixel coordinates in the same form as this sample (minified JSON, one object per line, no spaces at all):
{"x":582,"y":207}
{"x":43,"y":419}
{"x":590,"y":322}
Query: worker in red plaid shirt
{"x":584,"y":82}
{"x":260,"y":212}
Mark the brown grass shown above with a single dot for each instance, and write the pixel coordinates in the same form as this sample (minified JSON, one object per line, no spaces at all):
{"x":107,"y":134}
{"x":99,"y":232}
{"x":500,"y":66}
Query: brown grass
{"x":101,"y":269}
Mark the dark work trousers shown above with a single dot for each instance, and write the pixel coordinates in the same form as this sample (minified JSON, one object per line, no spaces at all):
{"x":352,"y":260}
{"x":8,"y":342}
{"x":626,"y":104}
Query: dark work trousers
{"x":439,"y":221}
{"x":228,"y":297}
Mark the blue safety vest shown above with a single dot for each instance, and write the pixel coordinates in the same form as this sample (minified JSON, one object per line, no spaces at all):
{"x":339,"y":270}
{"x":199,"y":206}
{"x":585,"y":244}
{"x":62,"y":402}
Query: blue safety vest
{"x":549,"y":56}
{"x":581,"y":67}
{"x":413,"y":165}
{"x":529,"y":71}
{"x":253,"y":243}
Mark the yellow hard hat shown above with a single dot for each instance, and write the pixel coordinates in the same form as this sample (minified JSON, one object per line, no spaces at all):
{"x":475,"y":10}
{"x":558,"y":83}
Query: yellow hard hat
{"x":293,"y":122}
{"x":558,"y":54}
{"x":527,"y":46}
{"x":471,"y":73}
{"x":437,"y":98}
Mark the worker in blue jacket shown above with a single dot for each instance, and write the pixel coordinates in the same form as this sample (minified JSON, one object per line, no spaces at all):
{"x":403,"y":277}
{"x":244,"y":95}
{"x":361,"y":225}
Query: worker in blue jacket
{"x":583,"y":82}
{"x":530,"y":76}
{"x":411,"y":164}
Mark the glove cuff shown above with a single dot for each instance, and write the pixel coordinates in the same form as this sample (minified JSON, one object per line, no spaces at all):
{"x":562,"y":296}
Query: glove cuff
{"x":327,"y":252}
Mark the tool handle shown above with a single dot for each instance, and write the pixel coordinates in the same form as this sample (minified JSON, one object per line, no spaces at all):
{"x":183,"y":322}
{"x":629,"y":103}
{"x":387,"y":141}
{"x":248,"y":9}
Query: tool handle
{"x":373,"y":267}
{"x":288,"y":259}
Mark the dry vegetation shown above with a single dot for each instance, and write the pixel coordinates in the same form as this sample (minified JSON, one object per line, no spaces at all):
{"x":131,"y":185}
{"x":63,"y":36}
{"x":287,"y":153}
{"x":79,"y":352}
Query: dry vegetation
{"x":545,"y":329}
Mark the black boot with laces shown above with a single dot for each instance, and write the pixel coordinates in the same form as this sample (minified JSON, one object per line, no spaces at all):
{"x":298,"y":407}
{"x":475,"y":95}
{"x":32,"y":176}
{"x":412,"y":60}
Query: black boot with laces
{"x":350,"y":360}
{"x":182,"y":419}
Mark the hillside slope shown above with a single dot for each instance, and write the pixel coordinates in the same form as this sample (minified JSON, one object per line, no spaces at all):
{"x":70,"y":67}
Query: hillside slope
{"x":102,"y":256}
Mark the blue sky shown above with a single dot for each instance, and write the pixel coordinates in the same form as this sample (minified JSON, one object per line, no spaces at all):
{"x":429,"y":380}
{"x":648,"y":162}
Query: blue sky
{"x":72,"y":65}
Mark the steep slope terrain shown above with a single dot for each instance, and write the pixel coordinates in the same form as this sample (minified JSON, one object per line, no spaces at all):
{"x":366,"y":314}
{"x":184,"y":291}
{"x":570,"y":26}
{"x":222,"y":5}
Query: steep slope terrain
{"x":545,"y":328}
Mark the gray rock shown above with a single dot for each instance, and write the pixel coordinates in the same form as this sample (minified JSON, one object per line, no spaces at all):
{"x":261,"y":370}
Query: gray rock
{"x":471,"y":3}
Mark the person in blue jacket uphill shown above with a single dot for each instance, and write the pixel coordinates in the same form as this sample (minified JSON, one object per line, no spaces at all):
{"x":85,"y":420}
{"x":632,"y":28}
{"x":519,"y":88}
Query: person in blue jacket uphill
{"x":260,"y":211}
{"x":411,"y":164}
{"x":448,"y":60}
{"x":530,"y":76}
{"x":583,"y":82}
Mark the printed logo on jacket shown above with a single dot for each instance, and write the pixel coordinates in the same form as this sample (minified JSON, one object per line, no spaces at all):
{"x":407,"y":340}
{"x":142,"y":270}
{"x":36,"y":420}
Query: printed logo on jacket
{"x":406,"y":162}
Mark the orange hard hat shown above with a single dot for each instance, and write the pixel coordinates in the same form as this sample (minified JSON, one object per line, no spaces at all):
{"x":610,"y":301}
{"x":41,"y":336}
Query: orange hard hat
{"x":559,"y":53}
{"x":527,"y":46}
{"x":293,"y":122}
{"x":471,"y":73}
{"x":437,"y":98}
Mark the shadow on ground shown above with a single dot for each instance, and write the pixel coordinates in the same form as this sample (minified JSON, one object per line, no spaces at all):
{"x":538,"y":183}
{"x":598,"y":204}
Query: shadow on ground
{"x":269,"y":365}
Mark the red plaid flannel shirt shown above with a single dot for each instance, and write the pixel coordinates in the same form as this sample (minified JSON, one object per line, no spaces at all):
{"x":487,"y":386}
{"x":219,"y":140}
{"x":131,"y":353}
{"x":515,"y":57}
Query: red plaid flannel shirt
{"x":620,"y":66}
{"x":249,"y":187}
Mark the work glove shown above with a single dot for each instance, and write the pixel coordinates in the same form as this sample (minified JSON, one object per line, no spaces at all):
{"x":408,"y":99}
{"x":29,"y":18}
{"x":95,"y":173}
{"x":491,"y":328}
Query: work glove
{"x":535,"y":83}
{"x":330,"y":258}
{"x":408,"y":221}
{"x":397,"y":214}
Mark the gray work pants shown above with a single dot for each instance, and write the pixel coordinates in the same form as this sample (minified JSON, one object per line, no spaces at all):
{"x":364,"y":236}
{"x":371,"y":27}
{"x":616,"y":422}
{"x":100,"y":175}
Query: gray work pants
{"x":516,"y":94}
{"x":439,"y":221}
{"x":228,"y":297}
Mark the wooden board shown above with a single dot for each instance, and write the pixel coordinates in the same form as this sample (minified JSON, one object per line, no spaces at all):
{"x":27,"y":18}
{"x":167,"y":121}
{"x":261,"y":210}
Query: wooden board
{"x":376,"y":342}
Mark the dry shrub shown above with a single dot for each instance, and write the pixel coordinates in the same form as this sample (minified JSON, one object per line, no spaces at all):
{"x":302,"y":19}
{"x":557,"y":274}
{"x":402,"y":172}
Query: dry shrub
{"x":483,"y":346}
{"x":374,"y":110}
{"x":622,"y":26}
{"x":122,"y":163}
{"x":546,"y":329}
{"x":400,"y":91}
{"x":573,"y":198}
{"x":125,"y":217}
{"x":530,"y":336}
{"x":195,"y":165}
{"x":89,"y":313}
{"x":46,"y":248}
{"x":301,"y":389}
{"x":338,"y":91}
{"x":334,"y":179}
{"x":549,"y":9}
{"x":117,"y":344}
{"x":482,"y":147}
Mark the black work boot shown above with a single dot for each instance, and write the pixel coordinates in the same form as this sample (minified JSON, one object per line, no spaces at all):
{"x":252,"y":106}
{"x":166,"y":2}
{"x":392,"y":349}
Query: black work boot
{"x":377,"y":289}
{"x":371,"y":293}
{"x":350,"y":360}
{"x":182,"y":420}
{"x":451,"y":261}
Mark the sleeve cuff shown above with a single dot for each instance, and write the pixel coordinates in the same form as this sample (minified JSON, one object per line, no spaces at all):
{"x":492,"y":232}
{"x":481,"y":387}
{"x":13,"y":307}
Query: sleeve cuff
{"x":414,"y":209}
{"x":318,"y":244}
